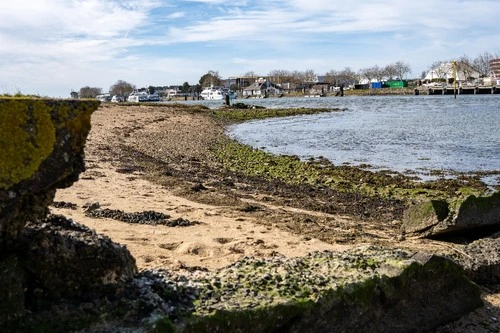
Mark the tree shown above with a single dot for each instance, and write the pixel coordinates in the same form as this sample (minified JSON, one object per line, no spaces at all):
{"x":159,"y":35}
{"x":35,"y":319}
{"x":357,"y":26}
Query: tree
{"x":211,"y":78}
{"x":390,"y":71}
{"x":369,"y":73}
{"x":464,"y":65}
{"x":297,"y":77}
{"x":440,"y":69}
{"x":401,"y":69}
{"x":89,"y":92}
{"x":279,"y":76}
{"x":185,"y":87}
{"x":121,"y":88}
{"x":347,"y":76}
{"x":151,"y":90}
{"x":310,"y":76}
{"x":331,"y":77}
{"x":482,"y":63}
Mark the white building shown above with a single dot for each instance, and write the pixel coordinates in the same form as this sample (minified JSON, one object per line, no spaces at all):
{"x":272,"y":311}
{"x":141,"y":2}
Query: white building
{"x":465,"y":73}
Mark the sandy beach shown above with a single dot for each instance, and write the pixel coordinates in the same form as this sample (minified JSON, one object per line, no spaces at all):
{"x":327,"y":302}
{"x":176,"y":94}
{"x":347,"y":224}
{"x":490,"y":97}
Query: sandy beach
{"x":143,"y":158}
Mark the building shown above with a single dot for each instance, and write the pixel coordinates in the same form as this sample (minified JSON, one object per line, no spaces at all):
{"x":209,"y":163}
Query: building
{"x":495,"y":68}
{"x":262,"y":88}
{"x":444,"y":72}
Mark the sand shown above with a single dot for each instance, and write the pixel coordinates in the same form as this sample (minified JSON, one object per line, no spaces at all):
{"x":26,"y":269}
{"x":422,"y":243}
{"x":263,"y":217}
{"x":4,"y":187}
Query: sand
{"x":225,"y":233}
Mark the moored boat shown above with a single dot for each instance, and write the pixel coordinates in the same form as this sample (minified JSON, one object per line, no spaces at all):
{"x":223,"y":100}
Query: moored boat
{"x":212,"y":93}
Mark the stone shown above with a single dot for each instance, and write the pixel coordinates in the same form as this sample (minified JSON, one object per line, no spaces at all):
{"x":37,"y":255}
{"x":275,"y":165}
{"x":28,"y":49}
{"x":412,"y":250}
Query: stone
{"x":367,"y":289}
{"x":41,"y":144}
{"x":11,"y":289}
{"x":66,"y":260}
{"x":480,"y":260}
{"x":424,"y":215}
{"x":437,"y":217}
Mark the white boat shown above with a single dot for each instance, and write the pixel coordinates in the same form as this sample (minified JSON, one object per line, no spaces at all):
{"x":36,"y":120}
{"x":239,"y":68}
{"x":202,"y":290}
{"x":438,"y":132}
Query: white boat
{"x":141,"y":96}
{"x":212,"y":93}
{"x":138,"y":96}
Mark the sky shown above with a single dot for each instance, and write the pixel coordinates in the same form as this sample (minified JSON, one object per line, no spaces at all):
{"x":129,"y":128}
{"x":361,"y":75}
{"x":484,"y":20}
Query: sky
{"x":52,"y":47}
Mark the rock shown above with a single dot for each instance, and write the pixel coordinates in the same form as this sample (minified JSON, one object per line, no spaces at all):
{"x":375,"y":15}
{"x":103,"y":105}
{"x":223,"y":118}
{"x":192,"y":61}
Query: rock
{"x":67,"y":261}
{"x":41,"y":149}
{"x":424,"y":215}
{"x":478,"y":212}
{"x":437,"y":217}
{"x":11,"y":289}
{"x":41,"y":144}
{"x":481,"y":260}
{"x":363,"y":290}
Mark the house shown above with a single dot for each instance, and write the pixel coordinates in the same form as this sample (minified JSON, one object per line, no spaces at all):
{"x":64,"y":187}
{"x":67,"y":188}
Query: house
{"x":319,"y":89}
{"x":262,"y":88}
{"x":444,"y":72}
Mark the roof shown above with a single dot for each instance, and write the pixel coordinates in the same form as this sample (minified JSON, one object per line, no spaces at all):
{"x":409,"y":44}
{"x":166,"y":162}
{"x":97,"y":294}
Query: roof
{"x":445,"y":71}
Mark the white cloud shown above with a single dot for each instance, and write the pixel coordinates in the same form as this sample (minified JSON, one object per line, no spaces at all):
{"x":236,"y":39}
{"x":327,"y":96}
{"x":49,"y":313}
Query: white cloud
{"x":52,"y":46}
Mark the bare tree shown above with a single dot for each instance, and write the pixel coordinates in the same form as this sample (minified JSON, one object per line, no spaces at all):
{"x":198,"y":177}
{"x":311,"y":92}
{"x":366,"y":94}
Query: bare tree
{"x":89,"y":92}
{"x":310,"y":76}
{"x":331,"y":77}
{"x":368,"y":73}
{"x":347,"y":76}
{"x":465,"y":65}
{"x":121,"y":88}
{"x":482,"y":63}
{"x":378,"y":73}
{"x":279,"y":76}
{"x":297,"y":77}
{"x":390,"y":71}
{"x":401,"y":69}
{"x":440,"y":69}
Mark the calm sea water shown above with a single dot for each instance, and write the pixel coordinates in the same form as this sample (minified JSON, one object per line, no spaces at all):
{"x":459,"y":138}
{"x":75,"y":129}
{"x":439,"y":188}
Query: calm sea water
{"x":409,"y":134}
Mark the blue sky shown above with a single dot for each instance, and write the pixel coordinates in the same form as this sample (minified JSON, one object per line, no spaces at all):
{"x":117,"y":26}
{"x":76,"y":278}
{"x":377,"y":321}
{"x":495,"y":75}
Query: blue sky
{"x":50,"y":47}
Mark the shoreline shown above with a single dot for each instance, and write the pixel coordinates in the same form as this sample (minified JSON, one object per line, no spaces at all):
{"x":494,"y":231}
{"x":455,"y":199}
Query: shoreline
{"x":150,"y":158}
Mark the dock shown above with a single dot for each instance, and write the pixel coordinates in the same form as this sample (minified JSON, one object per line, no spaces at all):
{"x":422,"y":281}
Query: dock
{"x":463,"y":90}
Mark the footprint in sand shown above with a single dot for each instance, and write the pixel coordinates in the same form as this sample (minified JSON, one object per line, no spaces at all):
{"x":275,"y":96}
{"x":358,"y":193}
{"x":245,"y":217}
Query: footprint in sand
{"x":196,"y":248}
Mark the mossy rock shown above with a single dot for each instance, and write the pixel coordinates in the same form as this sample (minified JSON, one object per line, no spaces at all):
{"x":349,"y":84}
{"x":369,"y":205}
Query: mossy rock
{"x":421,"y":217}
{"x":438,"y":217}
{"x":28,"y":129}
{"x":41,"y":149}
{"x":479,"y":211}
{"x":367,"y":289}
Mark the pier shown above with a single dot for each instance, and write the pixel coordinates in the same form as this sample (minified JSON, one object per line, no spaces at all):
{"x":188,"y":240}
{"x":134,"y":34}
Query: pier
{"x":464,"y":90}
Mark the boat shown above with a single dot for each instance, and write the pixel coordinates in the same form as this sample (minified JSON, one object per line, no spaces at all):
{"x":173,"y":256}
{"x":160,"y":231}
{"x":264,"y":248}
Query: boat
{"x":138,"y":96}
{"x":212,"y":93}
{"x":104,"y":97}
{"x":154,"y":97}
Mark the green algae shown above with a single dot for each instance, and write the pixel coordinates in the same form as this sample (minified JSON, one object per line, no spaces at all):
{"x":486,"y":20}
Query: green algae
{"x":244,"y":159}
{"x":260,"y":113}
{"x":385,"y":184}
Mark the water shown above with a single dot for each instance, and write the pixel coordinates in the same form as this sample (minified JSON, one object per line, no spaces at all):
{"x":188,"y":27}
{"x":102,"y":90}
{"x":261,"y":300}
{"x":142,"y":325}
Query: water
{"x":408,"y":134}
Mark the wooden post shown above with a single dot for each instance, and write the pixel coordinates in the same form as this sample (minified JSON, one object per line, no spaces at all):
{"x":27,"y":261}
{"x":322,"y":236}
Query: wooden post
{"x":455,"y":78}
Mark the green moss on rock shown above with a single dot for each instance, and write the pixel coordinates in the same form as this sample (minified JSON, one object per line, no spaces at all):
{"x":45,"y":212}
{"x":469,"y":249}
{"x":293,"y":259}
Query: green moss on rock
{"x":27,"y":137}
{"x":424,"y":215}
{"x":28,"y":132}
